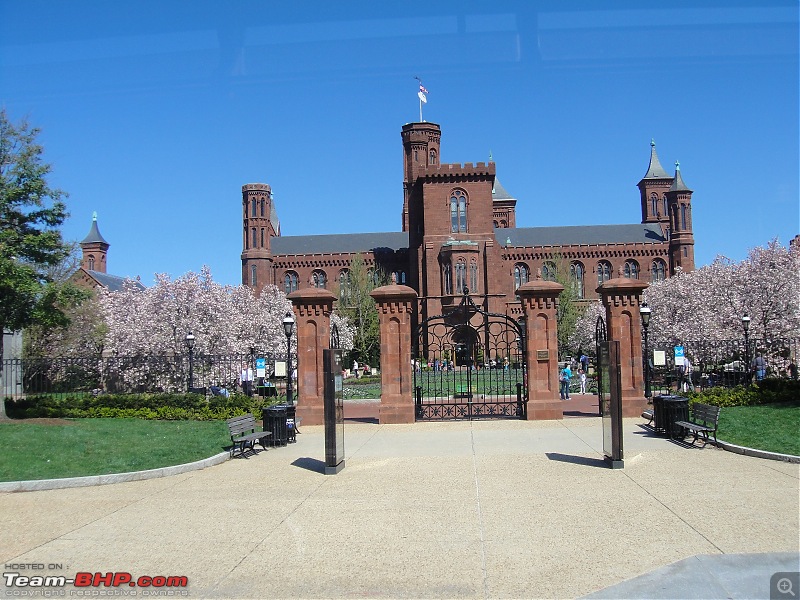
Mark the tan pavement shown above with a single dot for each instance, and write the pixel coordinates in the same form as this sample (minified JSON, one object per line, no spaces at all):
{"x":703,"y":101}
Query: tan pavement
{"x":492,"y":509}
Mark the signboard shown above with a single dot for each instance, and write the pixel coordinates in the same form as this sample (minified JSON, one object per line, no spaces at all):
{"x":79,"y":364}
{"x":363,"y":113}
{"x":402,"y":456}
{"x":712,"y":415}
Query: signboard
{"x":610,"y":392}
{"x":280,"y":368}
{"x":543,"y":355}
{"x":659,"y":358}
{"x":261,"y":367}
{"x":334,"y":411}
{"x":679,"y":355}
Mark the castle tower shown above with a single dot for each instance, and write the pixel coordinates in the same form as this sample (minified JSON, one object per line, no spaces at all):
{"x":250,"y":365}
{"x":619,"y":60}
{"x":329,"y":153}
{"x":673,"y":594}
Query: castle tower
{"x":95,"y":249}
{"x":681,"y":240}
{"x":259,"y":225}
{"x":420,"y":150}
{"x":652,"y":189}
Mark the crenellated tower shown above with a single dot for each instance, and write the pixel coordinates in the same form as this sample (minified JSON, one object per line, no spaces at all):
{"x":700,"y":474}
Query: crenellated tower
{"x":420,"y":150}
{"x":681,"y":239}
{"x":653,"y":189}
{"x":95,"y":249}
{"x":259,"y":225}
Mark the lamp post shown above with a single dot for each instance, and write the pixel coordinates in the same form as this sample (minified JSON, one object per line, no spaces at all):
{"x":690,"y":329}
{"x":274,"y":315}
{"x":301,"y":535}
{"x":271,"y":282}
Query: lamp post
{"x":189,"y":341}
{"x":645,"y":312}
{"x":288,"y":328}
{"x":746,"y":327}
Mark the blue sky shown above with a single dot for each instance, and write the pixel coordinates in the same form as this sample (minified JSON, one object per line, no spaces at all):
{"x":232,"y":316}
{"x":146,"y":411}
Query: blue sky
{"x":155,"y":113}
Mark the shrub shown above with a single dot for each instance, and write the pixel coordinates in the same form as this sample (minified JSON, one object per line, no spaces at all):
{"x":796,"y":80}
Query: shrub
{"x":768,"y":391}
{"x":165,"y":406}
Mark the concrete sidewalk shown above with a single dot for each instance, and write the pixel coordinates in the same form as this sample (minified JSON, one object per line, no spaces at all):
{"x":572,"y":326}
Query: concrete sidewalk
{"x":493,"y":509}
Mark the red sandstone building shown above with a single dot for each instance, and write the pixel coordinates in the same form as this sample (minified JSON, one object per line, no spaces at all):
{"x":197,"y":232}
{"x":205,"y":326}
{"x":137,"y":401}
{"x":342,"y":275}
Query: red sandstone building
{"x":459,"y":230}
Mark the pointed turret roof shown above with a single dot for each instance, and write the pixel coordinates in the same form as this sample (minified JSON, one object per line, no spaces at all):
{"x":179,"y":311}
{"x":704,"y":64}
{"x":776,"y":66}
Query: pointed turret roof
{"x":499,"y":192}
{"x":677,"y":184}
{"x":655,"y":170}
{"x":94,"y":236}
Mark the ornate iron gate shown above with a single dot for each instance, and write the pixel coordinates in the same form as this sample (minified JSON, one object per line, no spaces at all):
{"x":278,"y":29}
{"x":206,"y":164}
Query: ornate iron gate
{"x":469,"y":364}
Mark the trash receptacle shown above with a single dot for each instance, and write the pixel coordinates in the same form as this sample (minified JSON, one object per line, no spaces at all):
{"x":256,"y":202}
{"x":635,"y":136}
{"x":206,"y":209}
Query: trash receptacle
{"x":275,"y":421}
{"x":667,"y":410}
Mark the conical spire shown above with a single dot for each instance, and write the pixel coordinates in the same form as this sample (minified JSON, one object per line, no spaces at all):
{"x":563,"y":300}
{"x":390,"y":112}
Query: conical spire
{"x":499,"y":192}
{"x":655,"y":170}
{"x":94,"y":236}
{"x":677,"y":184}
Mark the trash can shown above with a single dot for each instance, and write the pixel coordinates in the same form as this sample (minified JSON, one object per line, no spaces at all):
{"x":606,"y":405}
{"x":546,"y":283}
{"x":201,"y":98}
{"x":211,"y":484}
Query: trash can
{"x":275,"y":421}
{"x":667,"y":410}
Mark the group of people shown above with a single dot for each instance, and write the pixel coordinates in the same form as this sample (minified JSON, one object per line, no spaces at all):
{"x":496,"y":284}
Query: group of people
{"x":565,"y":378}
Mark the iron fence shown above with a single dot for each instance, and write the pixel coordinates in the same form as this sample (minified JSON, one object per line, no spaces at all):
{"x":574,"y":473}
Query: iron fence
{"x":132,"y":374}
{"x":723,"y":362}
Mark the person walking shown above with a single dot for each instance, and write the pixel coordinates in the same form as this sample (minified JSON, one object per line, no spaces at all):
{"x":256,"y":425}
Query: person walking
{"x":246,"y":380}
{"x":564,"y":377}
{"x":687,"y":375}
{"x":582,"y":379}
{"x":759,"y":366}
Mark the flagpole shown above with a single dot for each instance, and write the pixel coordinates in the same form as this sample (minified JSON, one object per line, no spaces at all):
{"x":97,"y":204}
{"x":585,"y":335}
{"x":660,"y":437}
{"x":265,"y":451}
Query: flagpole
{"x":420,"y":111}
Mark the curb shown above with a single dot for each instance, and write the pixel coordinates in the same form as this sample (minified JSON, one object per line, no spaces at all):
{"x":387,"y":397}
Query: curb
{"x":71,"y":482}
{"x":790,"y":458}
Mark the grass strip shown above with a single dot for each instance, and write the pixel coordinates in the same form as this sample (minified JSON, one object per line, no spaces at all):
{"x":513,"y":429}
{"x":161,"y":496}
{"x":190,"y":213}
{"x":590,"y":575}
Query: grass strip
{"x":770,"y":427}
{"x":81,"y":447}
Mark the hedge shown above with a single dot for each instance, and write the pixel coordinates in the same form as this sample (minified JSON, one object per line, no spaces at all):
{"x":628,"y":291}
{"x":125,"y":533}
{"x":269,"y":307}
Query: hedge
{"x":164,"y":406}
{"x":767,"y":391}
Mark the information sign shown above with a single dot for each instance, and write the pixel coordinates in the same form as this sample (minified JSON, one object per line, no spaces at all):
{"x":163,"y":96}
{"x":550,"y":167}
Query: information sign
{"x":261,"y":367}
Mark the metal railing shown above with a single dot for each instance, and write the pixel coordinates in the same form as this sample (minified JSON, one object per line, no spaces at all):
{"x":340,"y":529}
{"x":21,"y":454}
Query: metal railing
{"x":725,"y":363}
{"x":129,"y":374}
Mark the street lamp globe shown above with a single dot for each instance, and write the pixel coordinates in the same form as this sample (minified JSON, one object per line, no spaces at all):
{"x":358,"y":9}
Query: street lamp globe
{"x":189,"y":340}
{"x":288,"y":324}
{"x":645,"y":312}
{"x":746,"y":323}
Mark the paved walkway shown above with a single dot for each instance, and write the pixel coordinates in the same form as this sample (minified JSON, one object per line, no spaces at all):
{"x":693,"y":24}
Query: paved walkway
{"x":493,"y":509}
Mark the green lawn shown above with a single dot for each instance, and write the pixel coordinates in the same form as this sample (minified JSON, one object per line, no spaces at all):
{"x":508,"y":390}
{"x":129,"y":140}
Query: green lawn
{"x":771,"y":427}
{"x":101,"y":446}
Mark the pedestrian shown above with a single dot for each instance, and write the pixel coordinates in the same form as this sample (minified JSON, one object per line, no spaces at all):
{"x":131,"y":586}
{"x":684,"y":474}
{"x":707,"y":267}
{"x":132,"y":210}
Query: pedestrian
{"x":564,"y":377}
{"x":759,"y":366}
{"x":246,"y":380}
{"x":355,"y":368}
{"x":687,"y":374}
{"x":582,"y":378}
{"x":585,"y":363}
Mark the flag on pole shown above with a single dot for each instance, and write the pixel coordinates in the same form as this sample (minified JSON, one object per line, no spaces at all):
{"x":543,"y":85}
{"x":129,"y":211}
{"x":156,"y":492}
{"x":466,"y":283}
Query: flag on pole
{"x":422,"y":92}
{"x":422,"y":89}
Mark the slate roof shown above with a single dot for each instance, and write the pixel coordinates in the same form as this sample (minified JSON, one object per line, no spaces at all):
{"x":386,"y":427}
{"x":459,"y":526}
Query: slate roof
{"x":338,"y":243}
{"x":655,"y":170}
{"x":646,"y":233}
{"x":112,"y":283}
{"x":678,"y":185}
{"x":94,"y":234}
{"x":499,"y":192}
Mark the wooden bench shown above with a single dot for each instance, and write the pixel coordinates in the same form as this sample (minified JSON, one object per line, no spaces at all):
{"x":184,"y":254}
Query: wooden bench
{"x":703,"y":420}
{"x":245,"y":434}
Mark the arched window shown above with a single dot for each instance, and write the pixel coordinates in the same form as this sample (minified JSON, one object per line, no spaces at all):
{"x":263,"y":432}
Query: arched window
{"x":254,"y":240}
{"x":458,"y":211}
{"x":495,"y":224}
{"x":290,"y":281}
{"x":658,"y":270}
{"x":319,"y":279}
{"x":262,"y":237}
{"x":576,"y":272}
{"x":253,"y":272}
{"x":461,"y":275}
{"x":253,"y":207}
{"x":603,"y":271}
{"x":263,"y":207}
{"x":521,"y":274}
{"x":473,"y":275}
{"x":246,"y":239}
{"x":91,"y":263}
{"x":666,"y":212}
{"x":401,"y":277}
{"x":433,"y":156}
{"x":683,"y":217}
{"x":549,"y":271}
{"x":654,"y":203}
{"x":344,"y":286}
{"x":447,"y":279}
{"x":631,"y":270}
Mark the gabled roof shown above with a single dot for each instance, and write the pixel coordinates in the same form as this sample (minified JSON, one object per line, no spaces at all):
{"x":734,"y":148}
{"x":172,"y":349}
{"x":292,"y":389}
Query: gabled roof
{"x":338,"y":243}
{"x":643,"y":233}
{"x":655,"y":170}
{"x":113,"y":283}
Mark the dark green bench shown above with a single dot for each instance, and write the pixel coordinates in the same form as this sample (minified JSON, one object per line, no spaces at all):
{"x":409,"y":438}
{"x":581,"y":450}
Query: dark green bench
{"x":245,"y":434}
{"x":702,"y":421}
